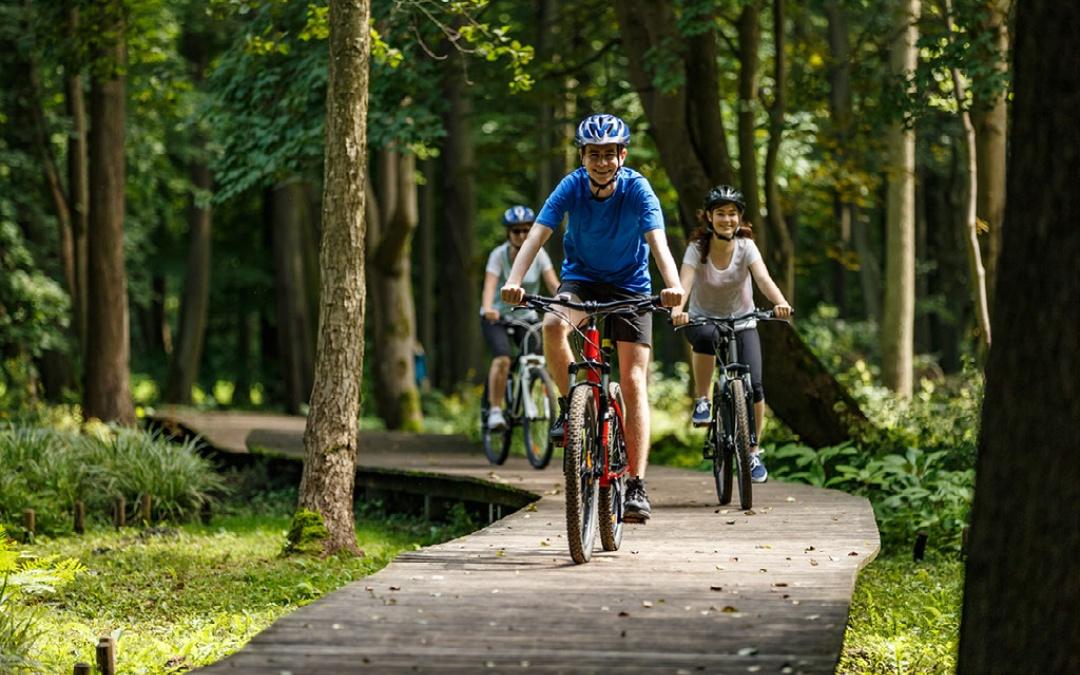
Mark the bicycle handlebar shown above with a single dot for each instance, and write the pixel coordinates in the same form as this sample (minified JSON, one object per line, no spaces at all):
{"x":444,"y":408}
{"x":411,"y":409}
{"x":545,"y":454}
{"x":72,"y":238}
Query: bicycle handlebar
{"x":730,"y":321}
{"x":628,"y":305}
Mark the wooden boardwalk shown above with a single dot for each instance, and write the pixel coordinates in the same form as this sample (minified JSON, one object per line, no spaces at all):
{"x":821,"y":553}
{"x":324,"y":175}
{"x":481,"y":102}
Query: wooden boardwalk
{"x":699,"y":589}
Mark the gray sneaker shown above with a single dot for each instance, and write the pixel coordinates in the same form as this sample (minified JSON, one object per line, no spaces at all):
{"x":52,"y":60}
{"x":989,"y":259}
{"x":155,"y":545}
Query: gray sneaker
{"x":496,"y":421}
{"x":636,"y":508}
{"x":702,"y":411}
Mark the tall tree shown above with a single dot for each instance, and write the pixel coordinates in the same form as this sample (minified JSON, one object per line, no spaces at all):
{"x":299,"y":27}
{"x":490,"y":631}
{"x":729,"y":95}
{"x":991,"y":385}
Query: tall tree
{"x":749,"y":30}
{"x":330,"y":438}
{"x":897,"y":335}
{"x":77,"y":172}
{"x":1021,"y":592}
{"x":288,"y":217}
{"x":106,"y":392}
{"x":779,"y":246}
{"x":392,"y":219}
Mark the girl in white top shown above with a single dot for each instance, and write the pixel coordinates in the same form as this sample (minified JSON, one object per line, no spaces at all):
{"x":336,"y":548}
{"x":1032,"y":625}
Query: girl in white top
{"x":716,"y":273}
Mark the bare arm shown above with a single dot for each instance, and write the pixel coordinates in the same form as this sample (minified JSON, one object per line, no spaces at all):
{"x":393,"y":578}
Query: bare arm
{"x":686,"y":278}
{"x":770,"y":289}
{"x":672,"y":295}
{"x":487,"y":296}
{"x":551,"y":280}
{"x":512,"y":292}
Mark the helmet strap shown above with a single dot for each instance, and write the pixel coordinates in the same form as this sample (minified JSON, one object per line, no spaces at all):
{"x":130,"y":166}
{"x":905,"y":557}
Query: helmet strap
{"x":720,"y":236}
{"x":603,"y":186}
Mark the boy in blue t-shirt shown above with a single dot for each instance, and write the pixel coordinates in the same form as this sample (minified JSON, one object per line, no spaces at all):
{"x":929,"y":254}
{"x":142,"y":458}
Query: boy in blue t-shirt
{"x":614,"y":222}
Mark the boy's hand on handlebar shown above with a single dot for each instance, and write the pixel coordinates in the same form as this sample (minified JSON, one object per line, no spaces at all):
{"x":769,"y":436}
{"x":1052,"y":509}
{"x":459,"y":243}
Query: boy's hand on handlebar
{"x":782,"y":311}
{"x":679,"y":317}
{"x":513,"y":294}
{"x":671,"y":297}
{"x":491,"y":314}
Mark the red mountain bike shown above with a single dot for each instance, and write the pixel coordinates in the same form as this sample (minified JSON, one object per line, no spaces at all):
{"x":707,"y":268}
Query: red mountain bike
{"x":595,"y":462}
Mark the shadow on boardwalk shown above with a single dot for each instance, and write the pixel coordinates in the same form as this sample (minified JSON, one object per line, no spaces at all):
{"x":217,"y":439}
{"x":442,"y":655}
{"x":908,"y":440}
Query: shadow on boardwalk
{"x":699,"y":589}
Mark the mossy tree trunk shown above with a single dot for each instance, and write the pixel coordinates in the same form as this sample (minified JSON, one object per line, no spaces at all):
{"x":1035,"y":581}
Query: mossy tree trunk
{"x":330,"y":438}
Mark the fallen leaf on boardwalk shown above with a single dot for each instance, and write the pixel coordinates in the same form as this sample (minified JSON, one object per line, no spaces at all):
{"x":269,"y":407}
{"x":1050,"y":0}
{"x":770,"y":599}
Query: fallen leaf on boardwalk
{"x":794,"y":602}
{"x":728,"y":609}
{"x":369,"y":588}
{"x":633,"y":552}
{"x":730,"y":522}
{"x":544,"y":543}
{"x":395,"y":588}
{"x":790,"y":499}
{"x":808,"y":549}
{"x":748,"y":651}
{"x":763,"y":570}
{"x":494,"y":590}
{"x":716,"y":588}
{"x":780,"y":584}
{"x":853,"y":553}
{"x":763,"y":546}
{"x":605,"y":608}
{"x":624,"y":614}
{"x":725,"y":511}
{"x":813,"y":562}
{"x":500,"y":553}
{"x":813,"y":617}
{"x":646,"y":603}
{"x":531,"y":508}
{"x":832,"y":558}
{"x":749,"y":512}
{"x":336,"y":626}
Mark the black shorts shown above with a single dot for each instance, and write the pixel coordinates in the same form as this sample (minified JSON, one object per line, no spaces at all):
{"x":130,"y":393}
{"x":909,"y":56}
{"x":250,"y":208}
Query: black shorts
{"x":499,"y":337}
{"x":703,"y":340}
{"x":620,"y":328}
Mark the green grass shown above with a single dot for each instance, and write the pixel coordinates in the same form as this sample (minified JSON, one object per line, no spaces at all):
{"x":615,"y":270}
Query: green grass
{"x":189,"y":596}
{"x":905,"y":617}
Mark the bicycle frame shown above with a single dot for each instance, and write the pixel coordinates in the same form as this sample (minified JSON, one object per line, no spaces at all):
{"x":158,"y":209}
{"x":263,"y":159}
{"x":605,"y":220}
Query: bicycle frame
{"x":728,"y":368}
{"x":596,"y":361}
{"x":523,"y":405}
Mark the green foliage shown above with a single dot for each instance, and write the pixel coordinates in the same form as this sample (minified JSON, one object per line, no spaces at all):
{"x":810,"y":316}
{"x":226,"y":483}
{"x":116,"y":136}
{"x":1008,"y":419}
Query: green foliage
{"x":904,"y":618}
{"x":188,"y":597}
{"x":49,"y":471}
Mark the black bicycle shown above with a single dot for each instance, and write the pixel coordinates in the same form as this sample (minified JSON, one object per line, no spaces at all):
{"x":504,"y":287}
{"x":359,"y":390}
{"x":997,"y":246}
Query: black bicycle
{"x":731,"y":431}
{"x":595,"y":461}
{"x":530,"y":403}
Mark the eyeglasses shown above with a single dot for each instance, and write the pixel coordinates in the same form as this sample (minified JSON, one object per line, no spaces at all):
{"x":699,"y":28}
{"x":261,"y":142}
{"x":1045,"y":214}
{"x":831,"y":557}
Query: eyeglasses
{"x":519,"y":231}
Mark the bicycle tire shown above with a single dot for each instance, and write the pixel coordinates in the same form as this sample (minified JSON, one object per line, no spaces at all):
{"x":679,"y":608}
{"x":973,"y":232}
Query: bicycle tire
{"x":537,"y":431}
{"x":742,"y":445}
{"x":581,"y":484}
{"x":722,"y":454}
{"x":496,"y":443}
{"x":610,"y":513}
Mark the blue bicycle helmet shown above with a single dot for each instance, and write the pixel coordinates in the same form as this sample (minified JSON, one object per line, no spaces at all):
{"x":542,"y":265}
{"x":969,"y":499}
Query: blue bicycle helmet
{"x":602,"y":129}
{"x":517,"y":215}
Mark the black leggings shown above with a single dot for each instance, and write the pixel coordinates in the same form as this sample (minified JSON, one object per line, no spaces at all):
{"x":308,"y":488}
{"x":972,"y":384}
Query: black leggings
{"x":703,"y":340}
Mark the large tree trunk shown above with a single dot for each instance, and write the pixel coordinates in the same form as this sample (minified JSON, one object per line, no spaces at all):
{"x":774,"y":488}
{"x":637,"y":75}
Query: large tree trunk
{"x":780,"y":249}
{"x":990,"y":117}
{"x":106,"y":392}
{"x":293,"y":318}
{"x":1021,"y":590}
{"x":330,"y":439}
{"x":971,"y":226}
{"x":458,"y":306}
{"x":195,"y":305}
{"x":78,"y":188}
{"x":425,"y":259}
{"x":685,"y":120}
{"x":393,"y":313}
{"x":749,"y":26}
{"x":897,"y":335}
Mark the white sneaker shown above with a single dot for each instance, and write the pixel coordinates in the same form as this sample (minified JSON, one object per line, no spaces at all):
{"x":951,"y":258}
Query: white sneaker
{"x":496,"y":421}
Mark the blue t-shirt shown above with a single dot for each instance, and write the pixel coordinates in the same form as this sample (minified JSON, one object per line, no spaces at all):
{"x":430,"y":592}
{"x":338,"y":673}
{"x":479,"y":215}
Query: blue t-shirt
{"x":605,"y":240}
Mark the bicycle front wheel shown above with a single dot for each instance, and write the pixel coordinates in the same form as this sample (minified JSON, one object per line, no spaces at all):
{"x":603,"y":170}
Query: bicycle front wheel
{"x":742,"y":444}
{"x":611,"y":497}
{"x":536,"y":425}
{"x":721,"y":452}
{"x":579,"y":464}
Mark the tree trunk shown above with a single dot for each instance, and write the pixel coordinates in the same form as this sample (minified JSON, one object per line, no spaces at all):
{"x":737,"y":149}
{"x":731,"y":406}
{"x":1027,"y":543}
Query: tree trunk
{"x":897,"y":335}
{"x":195,"y":305}
{"x":990,"y":116}
{"x":971,"y":225}
{"x":78,"y":190}
{"x":106,"y":393}
{"x":1021,"y":591}
{"x":393,"y":313}
{"x":685,"y":121}
{"x":330,"y":439}
{"x":780,"y":249}
{"x":749,"y":26}
{"x":425,"y":259}
{"x":458,"y":305}
{"x":293,"y":319}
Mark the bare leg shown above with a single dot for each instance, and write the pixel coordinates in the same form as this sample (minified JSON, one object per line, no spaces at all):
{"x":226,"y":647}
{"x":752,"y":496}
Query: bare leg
{"x":500,"y":368}
{"x":759,"y":422}
{"x":557,"y":347}
{"x":703,"y":370}
{"x":634,"y":378}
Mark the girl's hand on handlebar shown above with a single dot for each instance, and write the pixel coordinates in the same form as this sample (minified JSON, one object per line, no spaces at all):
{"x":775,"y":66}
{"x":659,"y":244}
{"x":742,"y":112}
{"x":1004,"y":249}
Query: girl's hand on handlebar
{"x":671,"y":297}
{"x":513,"y":294}
{"x":782,"y":311}
{"x":679,"y":317}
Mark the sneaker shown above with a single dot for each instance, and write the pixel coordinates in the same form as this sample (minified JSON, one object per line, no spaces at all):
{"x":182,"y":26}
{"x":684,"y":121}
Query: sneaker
{"x":758,"y":472}
{"x":702,"y":412}
{"x":496,"y":421}
{"x":557,"y":432}
{"x":636,"y":508}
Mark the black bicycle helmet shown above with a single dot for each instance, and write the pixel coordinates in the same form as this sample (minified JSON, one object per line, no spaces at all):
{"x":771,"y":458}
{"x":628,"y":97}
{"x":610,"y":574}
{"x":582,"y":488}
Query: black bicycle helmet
{"x":724,"y":194}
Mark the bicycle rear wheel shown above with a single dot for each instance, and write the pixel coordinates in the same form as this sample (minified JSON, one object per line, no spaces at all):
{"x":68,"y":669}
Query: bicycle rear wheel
{"x":742,"y":444}
{"x":537,"y":427}
{"x":611,"y":498}
{"x":579,"y":462}
{"x":496,"y":443}
{"x":722,"y":454}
